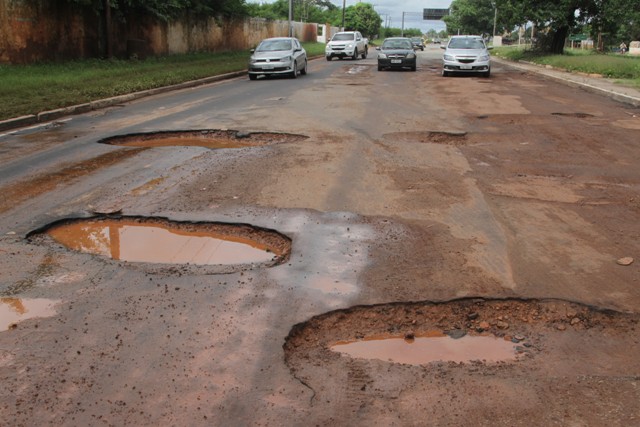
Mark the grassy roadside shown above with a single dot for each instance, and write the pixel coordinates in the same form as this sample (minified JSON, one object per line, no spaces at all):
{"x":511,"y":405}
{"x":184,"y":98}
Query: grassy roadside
{"x":624,"y":69}
{"x":35,"y":88}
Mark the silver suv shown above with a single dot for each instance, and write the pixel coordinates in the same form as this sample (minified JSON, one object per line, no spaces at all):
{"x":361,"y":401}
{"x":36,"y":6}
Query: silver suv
{"x":466,"y":54}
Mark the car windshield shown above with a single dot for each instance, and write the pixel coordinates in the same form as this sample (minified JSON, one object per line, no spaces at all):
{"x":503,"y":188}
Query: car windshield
{"x":397,"y":44}
{"x":416,"y":40}
{"x":466,"y":44}
{"x":341,"y":37}
{"x":274,"y":45}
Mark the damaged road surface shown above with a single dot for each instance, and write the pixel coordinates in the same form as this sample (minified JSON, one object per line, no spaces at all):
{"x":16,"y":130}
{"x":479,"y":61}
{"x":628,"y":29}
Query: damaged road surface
{"x":333,"y":250}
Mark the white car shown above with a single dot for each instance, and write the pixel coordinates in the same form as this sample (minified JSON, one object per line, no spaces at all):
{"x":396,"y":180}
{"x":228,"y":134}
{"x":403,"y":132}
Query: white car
{"x":466,"y":54}
{"x":347,"y":44}
{"x":278,"y":55}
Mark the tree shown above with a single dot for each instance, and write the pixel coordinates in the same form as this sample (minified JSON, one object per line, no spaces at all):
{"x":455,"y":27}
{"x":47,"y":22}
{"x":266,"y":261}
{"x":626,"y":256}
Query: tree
{"x":470,"y":17}
{"x":556,"y":19}
{"x":619,"y":21}
{"x":362,"y":17}
{"x":319,"y":11}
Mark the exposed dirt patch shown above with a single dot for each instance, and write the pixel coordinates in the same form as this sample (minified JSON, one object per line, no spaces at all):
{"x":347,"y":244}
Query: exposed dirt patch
{"x":577,"y":115}
{"x":17,"y":193}
{"x":219,"y":247}
{"x":208,"y":138}
{"x":446,"y":138}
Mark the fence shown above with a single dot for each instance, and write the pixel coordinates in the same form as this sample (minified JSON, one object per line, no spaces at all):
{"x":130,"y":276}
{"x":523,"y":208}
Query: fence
{"x":53,"y":31}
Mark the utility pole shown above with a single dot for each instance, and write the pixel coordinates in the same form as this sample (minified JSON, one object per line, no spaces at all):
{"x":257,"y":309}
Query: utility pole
{"x":344,"y":3}
{"x":495,"y":20}
{"x":290,"y":18}
{"x":402,"y":31}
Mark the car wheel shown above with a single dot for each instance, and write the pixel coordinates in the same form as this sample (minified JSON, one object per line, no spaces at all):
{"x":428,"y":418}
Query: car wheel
{"x":487,"y":73}
{"x":329,"y":58}
{"x":379,"y":67}
{"x":364,"y":54}
{"x":413,"y":68}
{"x":294,"y":73}
{"x":355,"y":54}
{"x":252,"y":77}
{"x":304,"y":69}
{"x":445,"y":73}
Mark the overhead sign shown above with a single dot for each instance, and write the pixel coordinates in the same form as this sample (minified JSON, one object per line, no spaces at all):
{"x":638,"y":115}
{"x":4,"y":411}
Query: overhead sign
{"x":434,"y":14}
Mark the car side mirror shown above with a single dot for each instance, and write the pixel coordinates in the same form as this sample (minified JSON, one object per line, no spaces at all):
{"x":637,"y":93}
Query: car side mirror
{"x":252,"y":50}
{"x":297,"y":49}
{"x":489,"y":47}
{"x":442,"y":47}
{"x":378,"y":48}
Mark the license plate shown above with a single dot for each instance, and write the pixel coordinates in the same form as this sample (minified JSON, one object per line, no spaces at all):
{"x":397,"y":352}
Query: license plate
{"x":267,"y":67}
{"x":396,"y":61}
{"x":466,"y":67}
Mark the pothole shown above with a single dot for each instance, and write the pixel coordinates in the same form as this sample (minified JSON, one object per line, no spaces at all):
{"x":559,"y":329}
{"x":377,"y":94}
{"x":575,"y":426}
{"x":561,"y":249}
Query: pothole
{"x":469,"y":331}
{"x":15,"y":310}
{"x":208,"y":138}
{"x":164,"y":242}
{"x":577,"y":115}
{"x":445,"y":138}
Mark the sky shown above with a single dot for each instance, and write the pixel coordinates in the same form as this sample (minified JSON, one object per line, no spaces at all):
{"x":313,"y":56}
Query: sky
{"x":395,"y":9}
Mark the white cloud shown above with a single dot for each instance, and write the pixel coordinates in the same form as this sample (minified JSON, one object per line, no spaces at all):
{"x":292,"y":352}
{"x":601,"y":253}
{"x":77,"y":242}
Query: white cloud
{"x":395,"y":10}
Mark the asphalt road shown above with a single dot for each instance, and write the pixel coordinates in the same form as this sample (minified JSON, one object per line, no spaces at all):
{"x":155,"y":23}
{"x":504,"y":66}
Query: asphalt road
{"x":413,"y":203}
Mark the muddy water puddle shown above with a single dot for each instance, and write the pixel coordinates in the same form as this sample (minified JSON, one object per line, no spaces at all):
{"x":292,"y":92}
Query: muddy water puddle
{"x":213,"y":139}
{"x":15,"y":310}
{"x":429,"y":347}
{"x":160,"y":241}
{"x":465,"y":332}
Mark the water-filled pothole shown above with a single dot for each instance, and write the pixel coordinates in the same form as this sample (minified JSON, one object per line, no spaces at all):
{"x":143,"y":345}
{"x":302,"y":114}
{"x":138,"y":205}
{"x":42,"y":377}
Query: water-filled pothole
{"x":208,"y":138}
{"x":15,"y":310}
{"x":432,"y":346}
{"x":161,"y":241}
{"x":466,"y":331}
{"x":565,"y":348}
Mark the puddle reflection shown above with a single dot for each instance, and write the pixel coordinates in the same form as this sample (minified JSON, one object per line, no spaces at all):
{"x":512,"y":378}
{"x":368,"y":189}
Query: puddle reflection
{"x":134,"y":241}
{"x":429,"y":347}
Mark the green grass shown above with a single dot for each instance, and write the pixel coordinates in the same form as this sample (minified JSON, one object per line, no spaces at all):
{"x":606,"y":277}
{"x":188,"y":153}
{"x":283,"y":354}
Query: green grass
{"x":31,"y":89}
{"x":622,"y":67}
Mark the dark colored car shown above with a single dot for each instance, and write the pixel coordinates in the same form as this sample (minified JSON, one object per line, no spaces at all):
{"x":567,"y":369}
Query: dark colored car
{"x":417,"y":43}
{"x":396,"y":52}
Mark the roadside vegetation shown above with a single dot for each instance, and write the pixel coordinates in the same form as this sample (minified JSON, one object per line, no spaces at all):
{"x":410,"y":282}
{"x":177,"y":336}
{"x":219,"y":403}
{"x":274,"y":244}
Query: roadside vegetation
{"x":30,"y":89}
{"x":624,"y":68}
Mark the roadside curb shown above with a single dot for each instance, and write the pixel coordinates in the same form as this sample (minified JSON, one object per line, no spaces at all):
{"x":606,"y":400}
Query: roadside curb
{"x":572,"y":80}
{"x":46,"y":116}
